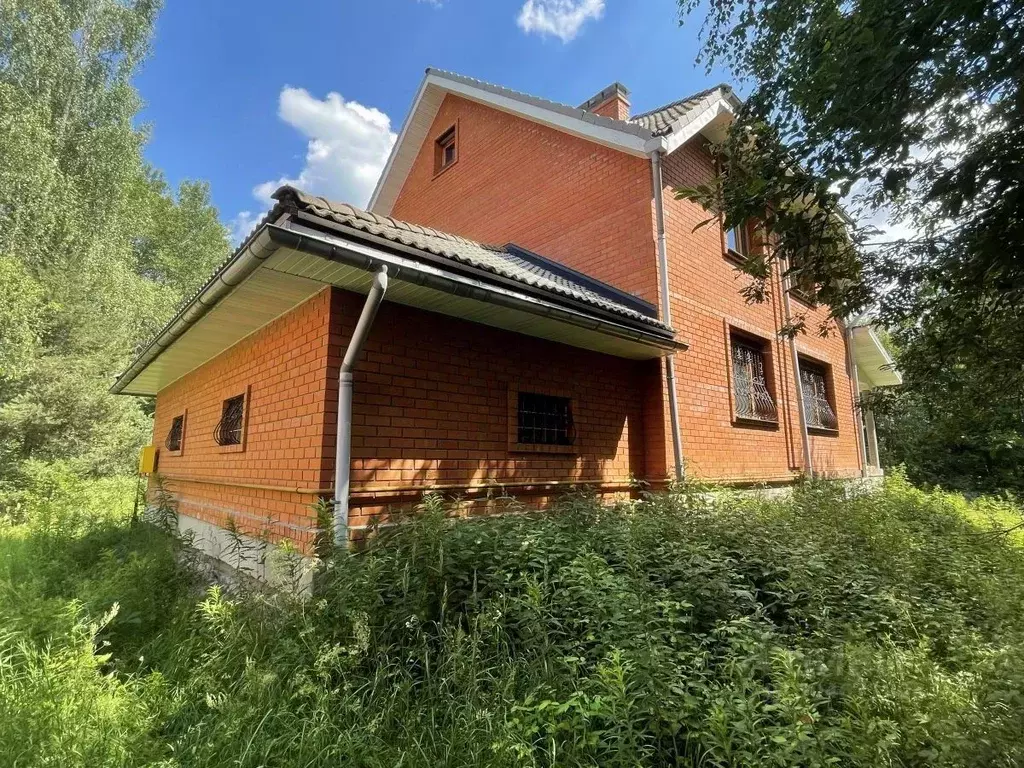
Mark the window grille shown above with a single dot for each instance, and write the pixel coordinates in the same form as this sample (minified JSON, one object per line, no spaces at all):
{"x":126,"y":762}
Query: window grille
{"x":173,"y":441}
{"x":817,"y":408}
{"x":229,"y":428}
{"x":544,"y":420}
{"x":753,"y":400}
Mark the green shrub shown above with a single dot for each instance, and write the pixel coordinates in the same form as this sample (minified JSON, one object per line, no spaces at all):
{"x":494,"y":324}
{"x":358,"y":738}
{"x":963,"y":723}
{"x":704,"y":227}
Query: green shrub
{"x":825,"y":629}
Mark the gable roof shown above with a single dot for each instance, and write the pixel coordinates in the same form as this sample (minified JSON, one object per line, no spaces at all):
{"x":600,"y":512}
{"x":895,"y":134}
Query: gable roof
{"x":661,"y":130}
{"x":306,"y":243}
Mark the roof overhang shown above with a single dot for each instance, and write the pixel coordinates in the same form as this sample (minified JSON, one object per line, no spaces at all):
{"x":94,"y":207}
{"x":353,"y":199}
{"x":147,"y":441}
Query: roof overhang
{"x":287,"y":261}
{"x":710,"y":119}
{"x":875,"y":366}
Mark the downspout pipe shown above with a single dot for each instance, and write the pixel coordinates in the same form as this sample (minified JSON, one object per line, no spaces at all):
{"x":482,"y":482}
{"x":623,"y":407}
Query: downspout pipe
{"x":343,"y":446}
{"x":666,"y":314}
{"x":858,"y":416}
{"x":795,"y":362}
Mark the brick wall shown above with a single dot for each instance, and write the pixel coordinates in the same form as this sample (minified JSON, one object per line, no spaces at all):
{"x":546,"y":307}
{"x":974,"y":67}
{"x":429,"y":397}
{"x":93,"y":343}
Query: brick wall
{"x":566,"y":198}
{"x":431,"y":407}
{"x":704,"y":290}
{"x":592,"y":209}
{"x":283,"y":367}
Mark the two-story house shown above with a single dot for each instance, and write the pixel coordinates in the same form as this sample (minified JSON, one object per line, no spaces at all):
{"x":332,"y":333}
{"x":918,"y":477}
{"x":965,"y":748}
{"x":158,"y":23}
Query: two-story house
{"x":525,"y":307}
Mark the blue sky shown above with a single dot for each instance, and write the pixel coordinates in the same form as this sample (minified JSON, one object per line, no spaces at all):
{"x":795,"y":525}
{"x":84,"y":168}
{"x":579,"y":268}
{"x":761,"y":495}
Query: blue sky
{"x":248,"y":94}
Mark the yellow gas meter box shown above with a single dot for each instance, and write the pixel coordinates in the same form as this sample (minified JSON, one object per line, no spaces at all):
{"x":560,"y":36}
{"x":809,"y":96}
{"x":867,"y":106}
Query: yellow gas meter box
{"x":147,"y":460}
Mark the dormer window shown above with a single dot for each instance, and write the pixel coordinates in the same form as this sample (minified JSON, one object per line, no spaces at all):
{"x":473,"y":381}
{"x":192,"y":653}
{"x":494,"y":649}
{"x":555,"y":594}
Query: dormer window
{"x":446,"y":149}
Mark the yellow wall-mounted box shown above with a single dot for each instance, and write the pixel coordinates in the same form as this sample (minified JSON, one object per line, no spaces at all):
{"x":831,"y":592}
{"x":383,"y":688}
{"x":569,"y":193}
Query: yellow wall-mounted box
{"x":147,"y":460}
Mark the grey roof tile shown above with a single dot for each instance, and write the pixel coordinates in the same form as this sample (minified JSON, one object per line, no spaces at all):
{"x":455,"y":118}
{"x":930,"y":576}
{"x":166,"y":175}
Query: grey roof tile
{"x":494,"y":259}
{"x":660,"y":121}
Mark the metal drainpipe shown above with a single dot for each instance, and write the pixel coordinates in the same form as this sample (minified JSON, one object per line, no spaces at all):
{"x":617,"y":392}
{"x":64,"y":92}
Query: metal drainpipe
{"x":666,"y":315}
{"x":343,"y":446}
{"x":795,"y":361}
{"x":857,"y":411}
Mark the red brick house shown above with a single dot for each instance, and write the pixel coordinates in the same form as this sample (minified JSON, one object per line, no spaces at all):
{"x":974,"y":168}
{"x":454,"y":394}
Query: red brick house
{"x":525,"y":307}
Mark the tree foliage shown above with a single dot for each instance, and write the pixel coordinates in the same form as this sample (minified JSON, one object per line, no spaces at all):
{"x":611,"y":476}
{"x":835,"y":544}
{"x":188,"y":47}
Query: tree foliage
{"x":908,"y":106}
{"x":95,"y":250}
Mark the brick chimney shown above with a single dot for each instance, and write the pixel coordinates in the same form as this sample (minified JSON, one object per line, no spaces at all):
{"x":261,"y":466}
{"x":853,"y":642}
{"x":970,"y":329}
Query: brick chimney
{"x":612,"y":101}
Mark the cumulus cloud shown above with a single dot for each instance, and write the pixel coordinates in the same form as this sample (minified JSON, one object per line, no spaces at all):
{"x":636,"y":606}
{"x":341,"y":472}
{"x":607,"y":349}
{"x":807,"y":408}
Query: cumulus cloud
{"x":242,"y":225}
{"x":561,"y":18}
{"x":348,"y":145}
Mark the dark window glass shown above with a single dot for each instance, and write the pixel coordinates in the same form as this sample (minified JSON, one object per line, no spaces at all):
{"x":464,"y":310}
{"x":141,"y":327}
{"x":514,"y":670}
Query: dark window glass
{"x":736,"y":241}
{"x":173,"y":441}
{"x":445,"y":155}
{"x":753,"y":398}
{"x":544,"y":420}
{"x":817,"y":406}
{"x":229,"y":428}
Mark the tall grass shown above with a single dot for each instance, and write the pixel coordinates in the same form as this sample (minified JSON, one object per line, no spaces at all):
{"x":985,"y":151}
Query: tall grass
{"x":880,"y":629}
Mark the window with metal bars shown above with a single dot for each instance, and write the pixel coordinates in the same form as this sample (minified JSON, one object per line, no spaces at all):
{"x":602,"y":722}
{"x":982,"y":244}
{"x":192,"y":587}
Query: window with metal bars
{"x":229,"y":428}
{"x":818,"y":408}
{"x":751,"y":395}
{"x":174,"y":437}
{"x":544,"y":420}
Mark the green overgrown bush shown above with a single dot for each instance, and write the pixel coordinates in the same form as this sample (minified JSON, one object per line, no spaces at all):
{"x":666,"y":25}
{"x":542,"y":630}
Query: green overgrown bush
{"x":827,"y":629}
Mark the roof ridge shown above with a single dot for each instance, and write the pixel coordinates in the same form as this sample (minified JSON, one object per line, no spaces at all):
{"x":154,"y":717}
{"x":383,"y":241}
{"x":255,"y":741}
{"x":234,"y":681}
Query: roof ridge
{"x":627,"y":126}
{"x":677,"y":102}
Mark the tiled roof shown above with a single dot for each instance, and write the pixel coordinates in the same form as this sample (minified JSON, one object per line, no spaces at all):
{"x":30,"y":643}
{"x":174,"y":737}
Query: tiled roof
{"x":660,"y":121}
{"x":507,"y":262}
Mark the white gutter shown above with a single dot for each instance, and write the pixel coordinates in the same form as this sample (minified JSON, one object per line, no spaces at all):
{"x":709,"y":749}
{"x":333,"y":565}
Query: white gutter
{"x":666,"y":315}
{"x":256,"y":250}
{"x":795,"y":361}
{"x":343,"y":439}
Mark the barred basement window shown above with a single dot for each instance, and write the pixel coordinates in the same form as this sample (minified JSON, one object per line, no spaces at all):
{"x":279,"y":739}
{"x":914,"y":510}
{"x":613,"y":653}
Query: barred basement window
{"x":752,"y":398}
{"x":544,"y":420}
{"x":173,"y":441}
{"x":817,"y":405}
{"x":229,"y":428}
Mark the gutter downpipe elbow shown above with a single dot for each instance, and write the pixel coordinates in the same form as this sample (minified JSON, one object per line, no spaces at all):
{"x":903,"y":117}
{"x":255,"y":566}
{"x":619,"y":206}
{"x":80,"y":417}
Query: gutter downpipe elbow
{"x":666,"y":314}
{"x":343,"y":445}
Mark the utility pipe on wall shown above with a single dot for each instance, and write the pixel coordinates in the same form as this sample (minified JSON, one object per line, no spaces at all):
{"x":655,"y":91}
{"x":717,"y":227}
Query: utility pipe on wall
{"x":666,"y":314}
{"x":795,"y":361}
{"x":343,"y":446}
{"x":858,"y":416}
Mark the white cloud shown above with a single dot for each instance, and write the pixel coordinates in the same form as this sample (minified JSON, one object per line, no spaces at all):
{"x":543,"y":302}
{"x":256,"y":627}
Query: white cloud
{"x":242,"y":225}
{"x":347,"y":148}
{"x":561,"y":18}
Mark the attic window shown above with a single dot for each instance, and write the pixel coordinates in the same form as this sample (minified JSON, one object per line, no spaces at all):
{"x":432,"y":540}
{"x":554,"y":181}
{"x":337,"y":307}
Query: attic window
{"x":446,"y":150}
